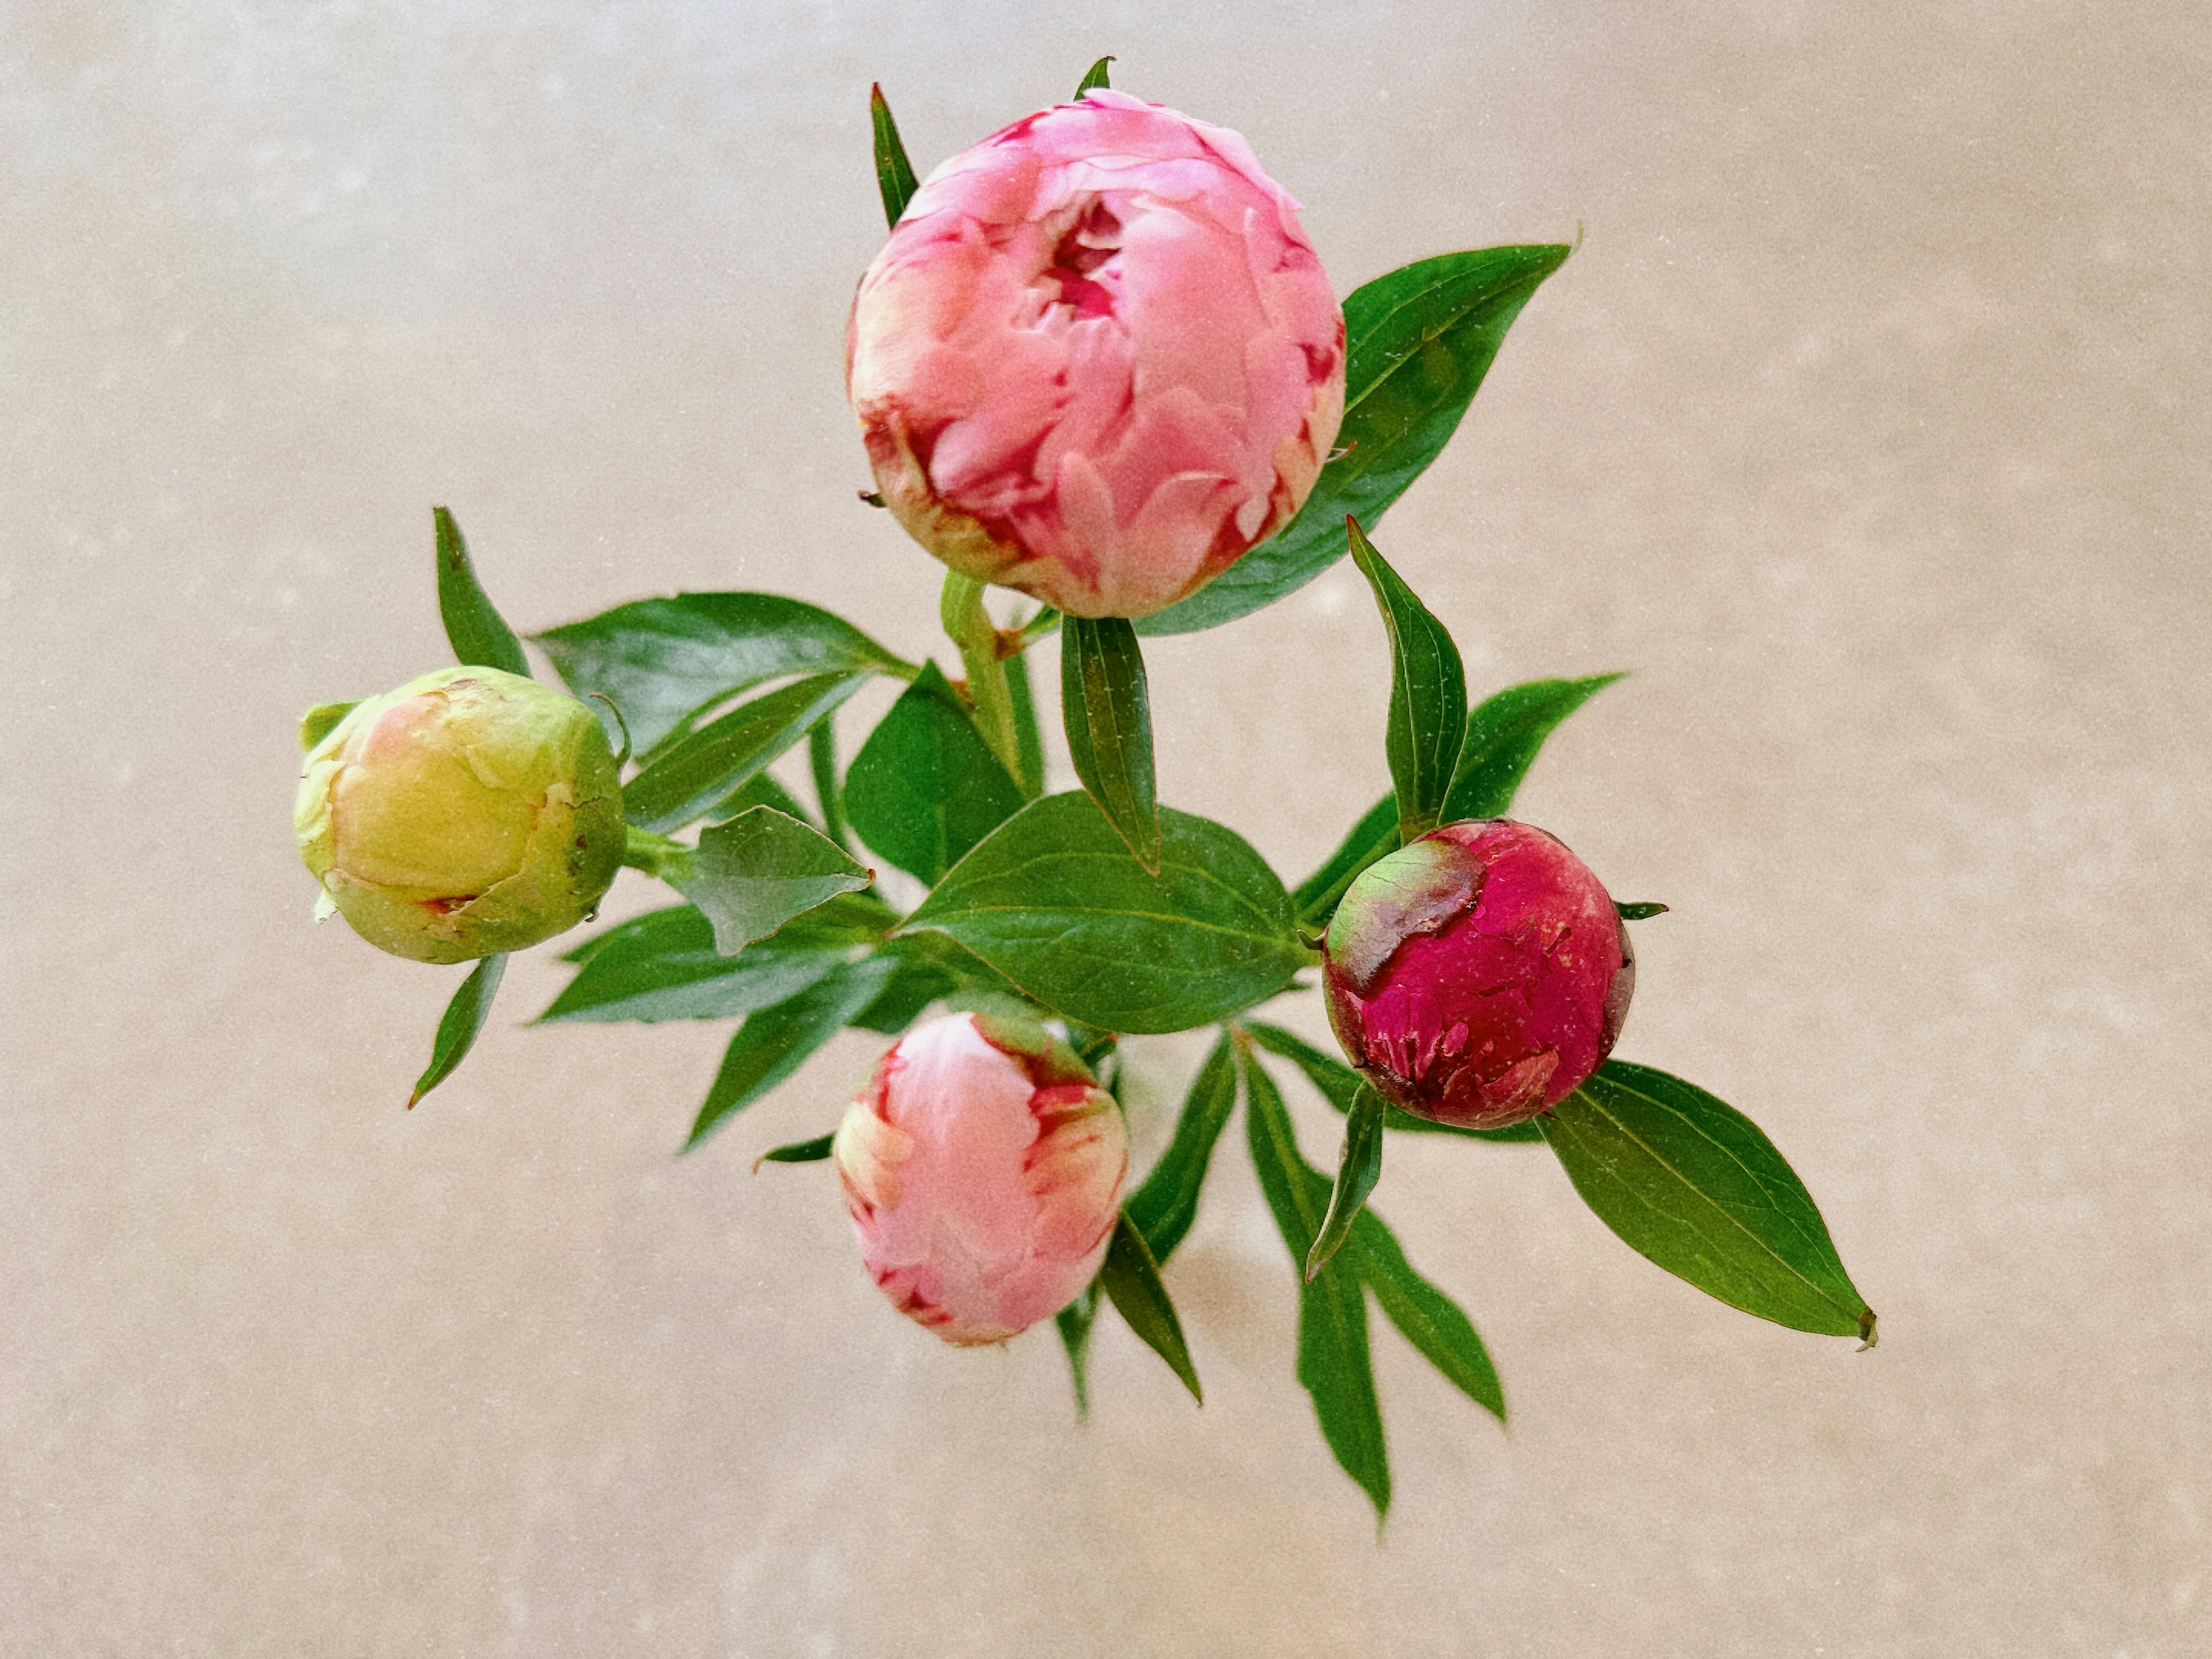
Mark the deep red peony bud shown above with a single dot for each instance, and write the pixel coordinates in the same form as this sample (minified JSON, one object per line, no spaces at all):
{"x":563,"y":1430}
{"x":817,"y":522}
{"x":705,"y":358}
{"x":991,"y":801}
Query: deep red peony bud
{"x":1478,"y":975}
{"x":982,"y":1165}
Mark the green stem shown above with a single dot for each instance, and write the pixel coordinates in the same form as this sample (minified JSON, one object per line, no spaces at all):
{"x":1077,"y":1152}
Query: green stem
{"x":658,"y":856}
{"x":962,"y":611}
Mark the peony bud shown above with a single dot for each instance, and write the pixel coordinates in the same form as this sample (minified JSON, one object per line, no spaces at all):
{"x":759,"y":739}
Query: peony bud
{"x":982,"y":1166}
{"x":1098,"y":359}
{"x":1478,"y":975}
{"x":468,"y":812}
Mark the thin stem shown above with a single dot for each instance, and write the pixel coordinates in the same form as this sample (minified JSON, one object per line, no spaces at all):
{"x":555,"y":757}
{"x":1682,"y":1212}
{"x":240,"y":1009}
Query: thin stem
{"x":962,"y":611}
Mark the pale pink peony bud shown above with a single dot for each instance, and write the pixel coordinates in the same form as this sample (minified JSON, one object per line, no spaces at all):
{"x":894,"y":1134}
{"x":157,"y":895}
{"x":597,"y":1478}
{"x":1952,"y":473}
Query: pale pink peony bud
{"x":1098,"y":360}
{"x":1477,"y":975}
{"x":983,"y":1167}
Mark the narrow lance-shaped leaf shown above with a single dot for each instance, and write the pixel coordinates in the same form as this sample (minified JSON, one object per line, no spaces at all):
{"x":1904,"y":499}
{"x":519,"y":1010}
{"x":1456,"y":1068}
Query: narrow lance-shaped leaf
{"x":1424,"y":1314}
{"x":1339,"y":1084}
{"x":1503,"y":737}
{"x":1333,"y":1363}
{"x":774,"y":1042}
{"x":1055,"y":902}
{"x":756,"y":872}
{"x":1074,"y":1322}
{"x":799,"y":1152}
{"x":1357,"y":1170}
{"x":828,"y":796}
{"x":464,"y":1018}
{"x":691,"y":778}
{"x":1642,"y":911}
{"x":1693,"y":1185}
{"x":1419,"y":341}
{"x":925,"y":787}
{"x":1165,"y":1207}
{"x":1109,"y":727}
{"x":894,"y":173}
{"x":1428,"y":694}
{"x":479,"y":635}
{"x":666,"y":662}
{"x":1130,"y":1279}
{"x":1094,"y":76}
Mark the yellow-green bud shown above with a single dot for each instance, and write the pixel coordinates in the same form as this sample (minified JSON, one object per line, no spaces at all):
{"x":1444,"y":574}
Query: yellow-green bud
{"x":470,"y":811}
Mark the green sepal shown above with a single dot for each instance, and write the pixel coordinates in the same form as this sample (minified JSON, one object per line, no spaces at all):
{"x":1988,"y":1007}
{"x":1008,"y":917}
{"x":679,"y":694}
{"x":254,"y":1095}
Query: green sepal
{"x":479,"y":635}
{"x":894,"y":173}
{"x":457,"y":1027}
{"x":1094,"y":76}
{"x":321,"y":720}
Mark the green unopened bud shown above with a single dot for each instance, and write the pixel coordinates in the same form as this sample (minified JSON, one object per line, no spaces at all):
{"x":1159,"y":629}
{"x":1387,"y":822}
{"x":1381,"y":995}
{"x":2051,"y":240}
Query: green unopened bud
{"x":470,"y":811}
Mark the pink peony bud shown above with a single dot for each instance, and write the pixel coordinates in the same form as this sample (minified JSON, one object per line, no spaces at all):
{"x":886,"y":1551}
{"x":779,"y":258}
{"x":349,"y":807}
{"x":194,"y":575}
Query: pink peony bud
{"x":982,"y":1166}
{"x":1478,"y":975}
{"x":1098,"y":359}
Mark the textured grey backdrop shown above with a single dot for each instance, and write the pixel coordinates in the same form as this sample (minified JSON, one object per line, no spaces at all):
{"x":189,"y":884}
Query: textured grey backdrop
{"x":1869,"y":427}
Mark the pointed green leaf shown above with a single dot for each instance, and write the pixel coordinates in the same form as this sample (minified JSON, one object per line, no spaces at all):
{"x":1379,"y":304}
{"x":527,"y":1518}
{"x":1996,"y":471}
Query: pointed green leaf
{"x":479,"y":635}
{"x":1109,"y":727}
{"x":1638,"y":912}
{"x":1503,"y":737}
{"x":1424,"y":1314}
{"x":321,"y":720}
{"x":1094,"y":76}
{"x":1693,"y":1185}
{"x":762,"y":790}
{"x":664,"y":663}
{"x":774,"y":1042}
{"x":828,"y":794}
{"x":1054,"y":900}
{"x":1165,"y":1207}
{"x":925,"y":787}
{"x":1130,"y":1279}
{"x":1428,"y":695}
{"x":1339,"y":1084}
{"x":894,"y":173}
{"x":799,"y":1152}
{"x":1074,"y":1322}
{"x":756,"y":872}
{"x":1333,"y":1363}
{"x":464,"y":1018}
{"x":913,"y":986}
{"x":1373,"y":836}
{"x":1418,"y":342}
{"x":695,"y":774}
{"x":663,"y":965}
{"x":1357,"y":1170}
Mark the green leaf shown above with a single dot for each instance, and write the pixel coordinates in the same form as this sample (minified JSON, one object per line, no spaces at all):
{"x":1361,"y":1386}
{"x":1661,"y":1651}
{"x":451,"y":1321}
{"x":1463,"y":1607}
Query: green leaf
{"x":479,"y":635}
{"x":1418,"y":342}
{"x":321,"y":720}
{"x":756,"y":872}
{"x":1054,"y":900}
{"x":1094,"y":76}
{"x":1130,"y":1279}
{"x":464,"y":1018}
{"x":925,"y":787}
{"x":1029,"y":741}
{"x":1371,"y":838}
{"x":1503,"y":737}
{"x":1333,"y":1363}
{"x":894,"y":173}
{"x":1638,"y":911}
{"x":663,"y":965}
{"x":1166,"y":1205}
{"x":798,"y":1151}
{"x":913,"y":986}
{"x":1357,"y":1170}
{"x":695,"y":774}
{"x":1428,"y":695}
{"x":1109,"y":727}
{"x":666,"y":662}
{"x":822,"y":762}
{"x":762,"y":790}
{"x":774,"y":1042}
{"x":1693,"y":1185}
{"x":1074,"y":1322}
{"x":1424,"y":1314}
{"x":1339,"y":1084}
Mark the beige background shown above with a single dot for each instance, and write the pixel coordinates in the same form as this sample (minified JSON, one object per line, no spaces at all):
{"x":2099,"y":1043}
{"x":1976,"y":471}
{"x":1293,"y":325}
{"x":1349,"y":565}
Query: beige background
{"x":1869,"y":427}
